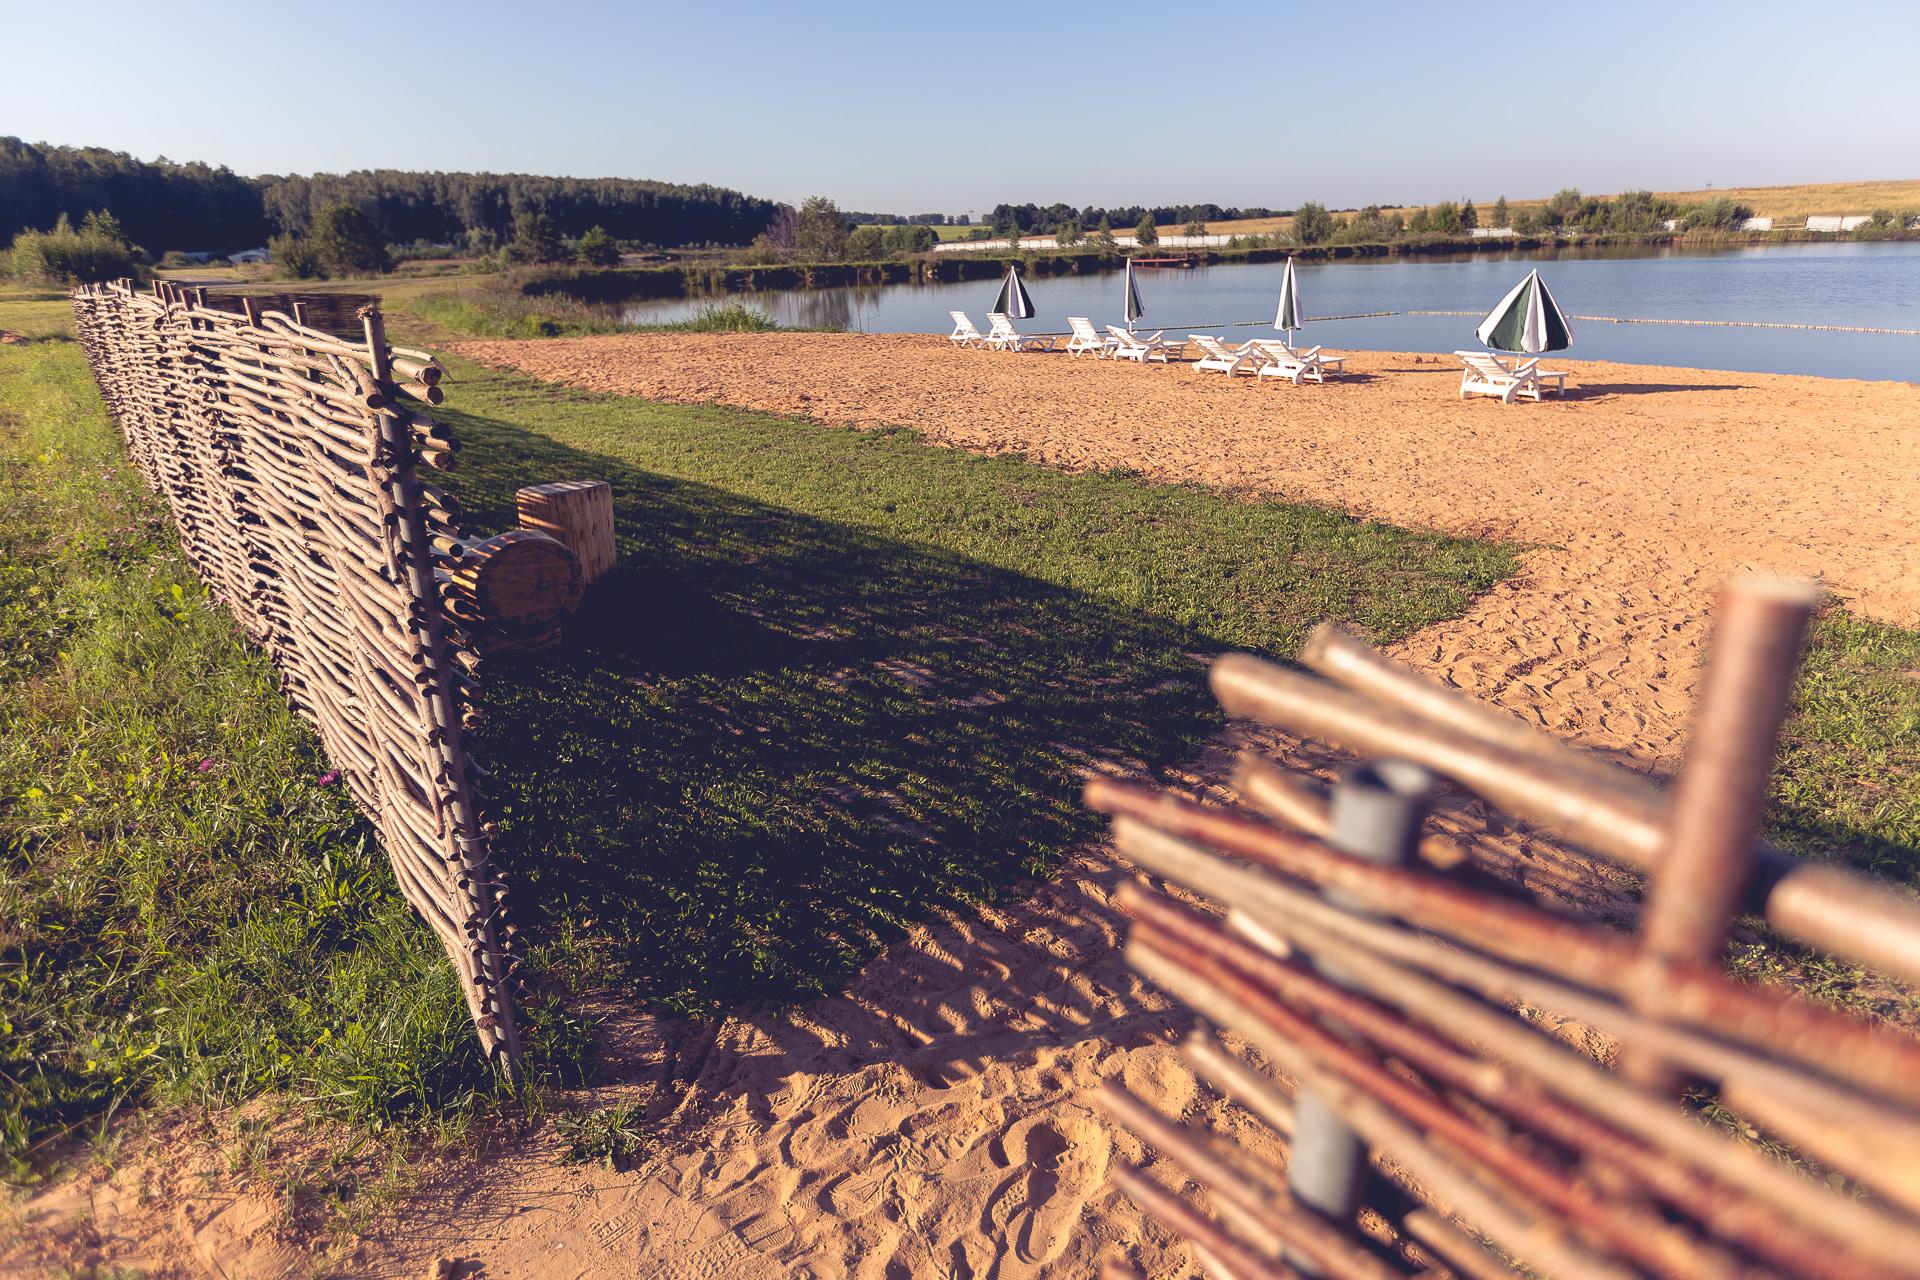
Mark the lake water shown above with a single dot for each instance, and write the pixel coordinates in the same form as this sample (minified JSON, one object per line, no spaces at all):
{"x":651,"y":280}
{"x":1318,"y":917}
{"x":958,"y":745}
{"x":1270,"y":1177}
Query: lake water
{"x":1843,"y":283}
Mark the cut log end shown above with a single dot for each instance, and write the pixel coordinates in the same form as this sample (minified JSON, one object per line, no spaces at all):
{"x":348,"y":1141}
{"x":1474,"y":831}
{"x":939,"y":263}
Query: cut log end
{"x":517,"y":582}
{"x":578,"y":513}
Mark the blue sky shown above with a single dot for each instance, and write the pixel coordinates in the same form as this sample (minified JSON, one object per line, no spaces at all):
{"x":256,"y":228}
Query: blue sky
{"x":950,"y":107}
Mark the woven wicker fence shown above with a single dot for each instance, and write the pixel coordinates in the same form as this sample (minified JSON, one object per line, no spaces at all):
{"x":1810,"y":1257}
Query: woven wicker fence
{"x":1390,"y":989}
{"x":291,"y":460}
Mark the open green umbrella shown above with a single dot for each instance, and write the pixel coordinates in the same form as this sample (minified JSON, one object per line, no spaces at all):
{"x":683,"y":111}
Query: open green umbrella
{"x":1132,"y":305}
{"x":1527,"y":320}
{"x":1289,"y":318}
{"x":1013,"y":301}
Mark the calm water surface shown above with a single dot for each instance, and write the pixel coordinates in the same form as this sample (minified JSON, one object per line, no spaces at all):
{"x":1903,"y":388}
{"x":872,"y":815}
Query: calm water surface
{"x":1872,"y":285}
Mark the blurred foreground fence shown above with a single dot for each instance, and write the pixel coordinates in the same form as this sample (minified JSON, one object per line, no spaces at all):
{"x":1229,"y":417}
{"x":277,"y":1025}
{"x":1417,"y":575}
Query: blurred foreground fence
{"x":1434,"y":1126}
{"x":291,"y":459}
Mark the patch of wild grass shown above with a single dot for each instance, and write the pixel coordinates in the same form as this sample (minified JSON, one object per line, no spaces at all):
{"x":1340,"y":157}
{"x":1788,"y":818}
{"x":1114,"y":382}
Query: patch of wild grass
{"x":733,"y":317}
{"x":615,"y":1137}
{"x":1846,"y":788}
{"x":188,"y":907}
{"x":493,"y":312}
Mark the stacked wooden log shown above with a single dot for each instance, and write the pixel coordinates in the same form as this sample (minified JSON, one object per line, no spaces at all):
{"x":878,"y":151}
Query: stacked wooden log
{"x":511,"y":590}
{"x":1384,"y":1008}
{"x":578,"y":513}
{"x":290,"y":459}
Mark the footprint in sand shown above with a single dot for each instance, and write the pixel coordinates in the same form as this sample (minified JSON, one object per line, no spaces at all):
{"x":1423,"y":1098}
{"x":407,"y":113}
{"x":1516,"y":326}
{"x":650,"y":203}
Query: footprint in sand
{"x":1058,"y":1158}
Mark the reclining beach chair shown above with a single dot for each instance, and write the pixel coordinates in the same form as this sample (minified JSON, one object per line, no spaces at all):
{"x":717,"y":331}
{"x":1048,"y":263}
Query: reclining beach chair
{"x":1086,"y":339}
{"x":1328,"y":364}
{"x":1152,"y":347}
{"x":964,"y":334}
{"x":1002,"y":336}
{"x":1487,"y":375}
{"x":1215,"y":354}
{"x":1283,"y":362}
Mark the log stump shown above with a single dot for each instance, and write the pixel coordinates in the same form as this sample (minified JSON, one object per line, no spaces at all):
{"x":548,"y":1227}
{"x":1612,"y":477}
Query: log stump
{"x":578,"y":513}
{"x":510,"y":591}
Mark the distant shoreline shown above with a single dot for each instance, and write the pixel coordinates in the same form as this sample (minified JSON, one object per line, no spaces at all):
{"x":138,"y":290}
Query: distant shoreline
{"x":631,"y":284}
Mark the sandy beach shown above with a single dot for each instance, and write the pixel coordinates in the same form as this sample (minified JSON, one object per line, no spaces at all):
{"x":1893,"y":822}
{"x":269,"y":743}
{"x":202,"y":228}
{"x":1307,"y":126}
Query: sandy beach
{"x":934,"y":1119}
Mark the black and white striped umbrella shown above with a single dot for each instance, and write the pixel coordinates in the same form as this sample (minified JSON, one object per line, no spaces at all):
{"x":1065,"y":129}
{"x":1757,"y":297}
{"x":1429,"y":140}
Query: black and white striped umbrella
{"x":1013,"y":301}
{"x":1289,"y":318}
{"x":1132,"y":305}
{"x":1527,"y":320}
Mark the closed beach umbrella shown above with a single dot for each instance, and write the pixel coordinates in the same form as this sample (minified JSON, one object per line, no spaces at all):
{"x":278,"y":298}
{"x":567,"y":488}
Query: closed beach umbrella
{"x":1133,"y":308}
{"x":1288,"y":318}
{"x":1527,"y":320}
{"x":1013,"y":301}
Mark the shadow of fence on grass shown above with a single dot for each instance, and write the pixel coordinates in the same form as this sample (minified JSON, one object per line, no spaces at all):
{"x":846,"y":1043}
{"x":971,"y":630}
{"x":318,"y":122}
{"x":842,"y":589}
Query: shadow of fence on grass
{"x":773,"y":743}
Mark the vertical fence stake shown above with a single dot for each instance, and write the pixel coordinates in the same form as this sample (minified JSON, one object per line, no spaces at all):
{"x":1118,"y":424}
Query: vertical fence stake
{"x":1721,"y":794}
{"x":1378,"y":811}
{"x":497,"y":1002}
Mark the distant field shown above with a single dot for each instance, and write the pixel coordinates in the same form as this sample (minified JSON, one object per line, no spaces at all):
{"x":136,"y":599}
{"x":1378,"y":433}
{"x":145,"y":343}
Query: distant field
{"x":1788,"y":204}
{"x":1250,"y":226}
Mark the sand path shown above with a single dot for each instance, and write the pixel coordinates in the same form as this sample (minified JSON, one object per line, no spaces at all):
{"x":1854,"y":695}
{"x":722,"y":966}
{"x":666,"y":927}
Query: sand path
{"x":933,"y":1120}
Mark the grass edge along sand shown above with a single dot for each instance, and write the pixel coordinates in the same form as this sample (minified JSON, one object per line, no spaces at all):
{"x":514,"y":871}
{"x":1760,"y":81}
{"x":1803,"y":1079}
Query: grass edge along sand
{"x":847,"y":678}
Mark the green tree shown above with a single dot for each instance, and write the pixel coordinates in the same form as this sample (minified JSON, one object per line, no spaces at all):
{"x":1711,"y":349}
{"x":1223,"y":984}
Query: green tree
{"x":294,"y":259}
{"x":536,"y":239}
{"x":1104,"y":235}
{"x":1067,"y":234}
{"x":597,"y":249}
{"x":1445,"y":219}
{"x":347,"y":243}
{"x":1502,"y":216}
{"x":820,"y":231}
{"x":1420,"y":221}
{"x":865,"y":244}
{"x":1564,"y":206}
{"x":1146,"y":234}
{"x":1469,"y":216}
{"x":102,"y":223}
{"x":67,"y":256}
{"x":1634,"y":211}
{"x":1195,"y":227}
{"x":1312,"y":224}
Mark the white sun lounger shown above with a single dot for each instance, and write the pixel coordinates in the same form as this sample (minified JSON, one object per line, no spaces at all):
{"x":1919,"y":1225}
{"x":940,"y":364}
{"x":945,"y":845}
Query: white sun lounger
{"x":1487,"y":375}
{"x":1283,"y":362}
{"x":964,"y":334}
{"x":1328,"y":364}
{"x":1217,"y":355}
{"x":1085,"y":338}
{"x":1002,"y":336}
{"x":1152,"y":347}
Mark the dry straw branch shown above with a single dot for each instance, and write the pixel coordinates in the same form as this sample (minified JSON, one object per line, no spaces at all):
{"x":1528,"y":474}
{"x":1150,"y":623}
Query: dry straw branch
{"x":1398,"y":997}
{"x":290,"y":459}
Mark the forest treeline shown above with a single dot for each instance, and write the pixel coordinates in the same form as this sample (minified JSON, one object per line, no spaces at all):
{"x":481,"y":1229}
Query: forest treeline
{"x":161,"y":205}
{"x":455,"y":208}
{"x":1037,"y":219}
{"x":165,"y":205}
